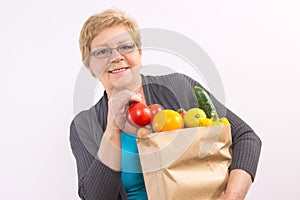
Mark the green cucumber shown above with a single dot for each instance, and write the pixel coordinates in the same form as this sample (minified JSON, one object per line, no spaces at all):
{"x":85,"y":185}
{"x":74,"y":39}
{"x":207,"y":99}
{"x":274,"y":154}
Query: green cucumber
{"x":205,"y":102}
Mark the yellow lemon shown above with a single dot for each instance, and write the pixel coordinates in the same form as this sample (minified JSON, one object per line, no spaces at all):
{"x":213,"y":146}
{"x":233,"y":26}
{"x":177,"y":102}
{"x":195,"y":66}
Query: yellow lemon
{"x":193,"y":117}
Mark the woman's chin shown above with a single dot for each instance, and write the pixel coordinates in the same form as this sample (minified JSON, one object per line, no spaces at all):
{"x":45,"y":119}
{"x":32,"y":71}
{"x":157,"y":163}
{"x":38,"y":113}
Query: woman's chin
{"x":127,"y":80}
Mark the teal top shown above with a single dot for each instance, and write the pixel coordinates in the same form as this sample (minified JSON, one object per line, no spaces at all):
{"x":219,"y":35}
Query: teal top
{"x":132,"y":176}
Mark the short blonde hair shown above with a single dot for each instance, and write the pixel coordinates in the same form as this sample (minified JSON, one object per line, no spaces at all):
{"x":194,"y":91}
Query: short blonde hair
{"x":96,"y":23}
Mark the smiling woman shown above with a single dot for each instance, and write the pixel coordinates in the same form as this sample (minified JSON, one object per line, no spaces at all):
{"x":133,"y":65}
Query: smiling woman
{"x":103,"y":141}
{"x":117,"y":62}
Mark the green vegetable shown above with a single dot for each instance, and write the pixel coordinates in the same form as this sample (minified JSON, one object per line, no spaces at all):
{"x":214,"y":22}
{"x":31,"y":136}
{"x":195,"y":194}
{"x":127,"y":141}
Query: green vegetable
{"x":205,"y":102}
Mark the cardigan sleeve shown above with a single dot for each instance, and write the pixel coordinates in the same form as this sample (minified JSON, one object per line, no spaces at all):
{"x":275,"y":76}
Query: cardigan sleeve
{"x":95,"y":180}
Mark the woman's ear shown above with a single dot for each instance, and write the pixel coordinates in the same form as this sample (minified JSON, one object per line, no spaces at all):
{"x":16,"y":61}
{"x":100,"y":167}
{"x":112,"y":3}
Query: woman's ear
{"x":140,"y":51}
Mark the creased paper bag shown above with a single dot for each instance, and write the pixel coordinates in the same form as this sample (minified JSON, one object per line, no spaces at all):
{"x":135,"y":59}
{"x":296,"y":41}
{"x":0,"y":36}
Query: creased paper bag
{"x":186,"y":164}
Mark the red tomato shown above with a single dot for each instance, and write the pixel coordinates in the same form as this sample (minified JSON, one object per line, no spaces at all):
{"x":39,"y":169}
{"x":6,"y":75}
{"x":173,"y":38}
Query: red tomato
{"x":155,"y":108}
{"x":139,"y":115}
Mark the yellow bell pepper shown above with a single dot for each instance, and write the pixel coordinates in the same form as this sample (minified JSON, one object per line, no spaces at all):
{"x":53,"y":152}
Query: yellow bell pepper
{"x":215,"y":121}
{"x":205,"y":122}
{"x":225,"y":121}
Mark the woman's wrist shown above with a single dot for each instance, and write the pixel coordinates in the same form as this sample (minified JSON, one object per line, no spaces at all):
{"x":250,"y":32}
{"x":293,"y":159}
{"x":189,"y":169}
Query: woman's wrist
{"x":110,"y":152}
{"x":113,"y":136}
{"x":238,"y":185}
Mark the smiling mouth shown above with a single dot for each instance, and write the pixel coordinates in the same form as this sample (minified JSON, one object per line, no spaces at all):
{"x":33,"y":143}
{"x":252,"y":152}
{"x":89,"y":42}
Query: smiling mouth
{"x":116,"y":71}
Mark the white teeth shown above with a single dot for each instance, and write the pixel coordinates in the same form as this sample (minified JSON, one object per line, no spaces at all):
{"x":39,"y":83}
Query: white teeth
{"x":118,"y":70}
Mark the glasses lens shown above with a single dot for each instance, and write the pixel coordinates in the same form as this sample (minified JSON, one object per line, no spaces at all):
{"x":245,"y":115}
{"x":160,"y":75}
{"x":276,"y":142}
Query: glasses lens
{"x":101,"y":53}
{"x":122,"y":49}
{"x":126,"y":48}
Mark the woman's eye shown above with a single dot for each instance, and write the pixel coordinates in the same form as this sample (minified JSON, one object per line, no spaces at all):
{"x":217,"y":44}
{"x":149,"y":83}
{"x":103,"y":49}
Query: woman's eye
{"x":127,"y":47}
{"x":101,"y":52}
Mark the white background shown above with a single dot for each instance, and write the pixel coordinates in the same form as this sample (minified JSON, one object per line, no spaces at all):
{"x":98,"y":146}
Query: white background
{"x":255,"y":46}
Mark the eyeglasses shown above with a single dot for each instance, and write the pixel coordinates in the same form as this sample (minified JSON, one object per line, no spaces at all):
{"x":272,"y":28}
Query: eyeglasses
{"x":122,"y":49}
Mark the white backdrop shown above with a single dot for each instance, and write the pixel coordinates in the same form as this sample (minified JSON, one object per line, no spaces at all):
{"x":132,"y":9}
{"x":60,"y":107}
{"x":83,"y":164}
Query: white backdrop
{"x":255,"y":46}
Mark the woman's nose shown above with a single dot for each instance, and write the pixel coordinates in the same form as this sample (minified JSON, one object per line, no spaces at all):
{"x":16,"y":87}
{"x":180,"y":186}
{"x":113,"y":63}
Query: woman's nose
{"x":115,"y":56}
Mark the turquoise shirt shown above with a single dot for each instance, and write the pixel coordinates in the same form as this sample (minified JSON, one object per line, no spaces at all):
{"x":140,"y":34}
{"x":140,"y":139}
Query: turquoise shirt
{"x":132,"y":176}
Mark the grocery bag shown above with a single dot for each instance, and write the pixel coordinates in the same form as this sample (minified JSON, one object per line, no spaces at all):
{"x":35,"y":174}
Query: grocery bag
{"x":186,"y":164}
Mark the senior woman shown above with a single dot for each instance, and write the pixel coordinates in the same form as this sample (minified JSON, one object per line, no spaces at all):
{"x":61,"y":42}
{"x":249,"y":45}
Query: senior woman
{"x":111,"y":50}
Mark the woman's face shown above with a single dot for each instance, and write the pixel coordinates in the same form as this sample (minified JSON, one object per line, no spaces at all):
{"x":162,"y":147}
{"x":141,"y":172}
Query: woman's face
{"x":115,"y":70}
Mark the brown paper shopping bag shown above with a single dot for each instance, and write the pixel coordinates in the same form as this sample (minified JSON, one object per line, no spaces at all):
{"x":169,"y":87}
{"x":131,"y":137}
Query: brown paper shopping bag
{"x":189,"y":163}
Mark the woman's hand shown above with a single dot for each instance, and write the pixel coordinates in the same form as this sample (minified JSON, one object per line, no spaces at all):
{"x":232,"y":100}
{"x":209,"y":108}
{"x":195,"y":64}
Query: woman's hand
{"x":117,"y":108}
{"x":238,"y":185}
{"x":109,"y":151}
{"x":226,"y":197}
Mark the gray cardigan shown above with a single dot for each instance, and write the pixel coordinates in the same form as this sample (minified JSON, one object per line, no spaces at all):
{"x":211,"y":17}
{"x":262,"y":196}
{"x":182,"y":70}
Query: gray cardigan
{"x":96,"y":181}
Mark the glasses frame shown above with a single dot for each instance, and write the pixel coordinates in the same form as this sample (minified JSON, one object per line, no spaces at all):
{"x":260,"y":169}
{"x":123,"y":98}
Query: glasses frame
{"x":93,"y":53}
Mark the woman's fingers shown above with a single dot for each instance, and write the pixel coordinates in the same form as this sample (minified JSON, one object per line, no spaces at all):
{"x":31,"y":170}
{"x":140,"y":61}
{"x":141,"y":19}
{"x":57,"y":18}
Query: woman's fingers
{"x":136,"y":97}
{"x":142,"y":132}
{"x":118,"y":105}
